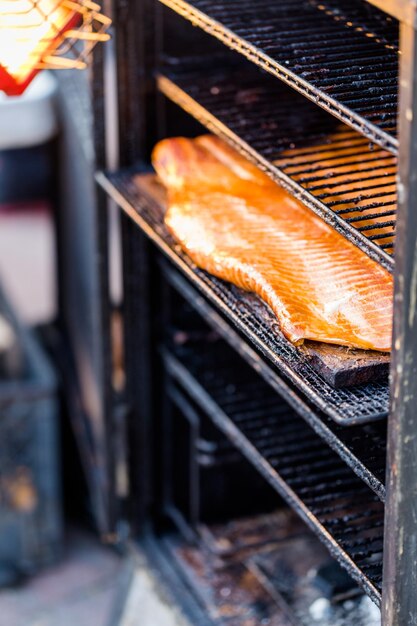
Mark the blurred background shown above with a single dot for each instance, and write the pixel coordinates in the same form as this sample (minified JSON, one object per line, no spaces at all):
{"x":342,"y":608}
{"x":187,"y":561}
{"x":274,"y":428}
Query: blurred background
{"x":53,"y":570}
{"x":60,"y":564}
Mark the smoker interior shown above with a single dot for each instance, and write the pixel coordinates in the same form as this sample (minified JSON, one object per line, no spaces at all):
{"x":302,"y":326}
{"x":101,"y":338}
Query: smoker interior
{"x":234,"y":453}
{"x":268,"y":484}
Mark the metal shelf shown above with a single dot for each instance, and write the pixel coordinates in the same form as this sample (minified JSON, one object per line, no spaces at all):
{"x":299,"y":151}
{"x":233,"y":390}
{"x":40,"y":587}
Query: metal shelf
{"x":313,"y":480}
{"x":332,"y":169}
{"x":362,"y":447}
{"x":310,"y":46}
{"x":252,"y":318}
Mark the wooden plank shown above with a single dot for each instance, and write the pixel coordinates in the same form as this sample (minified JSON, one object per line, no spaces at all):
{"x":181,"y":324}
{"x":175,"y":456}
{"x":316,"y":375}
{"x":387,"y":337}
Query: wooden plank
{"x":344,"y":367}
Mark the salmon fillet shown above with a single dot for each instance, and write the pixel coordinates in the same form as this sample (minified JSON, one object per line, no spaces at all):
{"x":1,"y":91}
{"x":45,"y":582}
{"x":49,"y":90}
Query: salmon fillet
{"x":236,"y":223}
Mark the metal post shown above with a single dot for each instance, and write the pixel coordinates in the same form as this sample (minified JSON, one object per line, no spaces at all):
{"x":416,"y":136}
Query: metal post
{"x":400,"y":544}
{"x":135,"y":40}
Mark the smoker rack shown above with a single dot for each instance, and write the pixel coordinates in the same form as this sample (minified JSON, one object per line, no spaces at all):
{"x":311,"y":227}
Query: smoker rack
{"x":312,"y":48}
{"x":309,"y":476}
{"x":139,"y":128}
{"x":333,"y":170}
{"x":361,"y":447}
{"x":363,"y":451}
{"x":363,"y":403}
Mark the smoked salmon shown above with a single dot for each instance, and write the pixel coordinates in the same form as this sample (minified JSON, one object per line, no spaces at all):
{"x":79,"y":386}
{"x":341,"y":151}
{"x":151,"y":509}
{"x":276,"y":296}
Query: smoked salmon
{"x":236,"y":223}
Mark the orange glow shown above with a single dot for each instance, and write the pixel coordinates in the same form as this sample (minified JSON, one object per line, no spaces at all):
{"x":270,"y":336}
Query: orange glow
{"x":32,"y":31}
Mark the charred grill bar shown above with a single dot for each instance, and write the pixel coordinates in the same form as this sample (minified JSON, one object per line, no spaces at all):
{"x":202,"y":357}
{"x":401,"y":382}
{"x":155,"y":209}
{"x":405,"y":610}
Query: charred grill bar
{"x":343,"y":57}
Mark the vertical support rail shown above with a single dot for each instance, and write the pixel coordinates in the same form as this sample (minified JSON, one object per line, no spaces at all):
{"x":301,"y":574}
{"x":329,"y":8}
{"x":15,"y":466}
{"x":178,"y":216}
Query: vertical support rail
{"x":400,"y":543}
{"x":137,"y":316}
{"x":132,"y":34}
{"x":134,"y":22}
{"x":103,"y":419}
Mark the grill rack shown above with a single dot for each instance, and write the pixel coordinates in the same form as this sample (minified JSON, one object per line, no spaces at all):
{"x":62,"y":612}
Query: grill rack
{"x":138,"y":130}
{"x":316,"y":53}
{"x":362,"y":448}
{"x":313,"y":480}
{"x":361,"y":404}
{"x":333,"y":170}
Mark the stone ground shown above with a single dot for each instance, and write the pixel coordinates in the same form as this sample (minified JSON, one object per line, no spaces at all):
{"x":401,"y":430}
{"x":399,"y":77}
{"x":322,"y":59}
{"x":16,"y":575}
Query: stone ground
{"x":79,"y":591}
{"x":90,"y":586}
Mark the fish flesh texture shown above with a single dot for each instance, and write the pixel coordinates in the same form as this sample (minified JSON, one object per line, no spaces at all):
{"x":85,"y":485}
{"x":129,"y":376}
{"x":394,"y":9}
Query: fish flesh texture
{"x":239,"y":225}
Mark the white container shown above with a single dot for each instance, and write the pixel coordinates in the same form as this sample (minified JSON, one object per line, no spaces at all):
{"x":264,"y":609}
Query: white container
{"x":30,"y":119}
{"x":28,"y":126}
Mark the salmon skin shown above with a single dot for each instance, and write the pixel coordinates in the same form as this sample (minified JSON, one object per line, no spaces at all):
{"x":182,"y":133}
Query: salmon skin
{"x":236,"y":223}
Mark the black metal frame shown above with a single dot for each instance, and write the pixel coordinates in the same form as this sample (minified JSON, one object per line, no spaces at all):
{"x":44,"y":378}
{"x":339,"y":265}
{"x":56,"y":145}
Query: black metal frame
{"x":136,"y":43}
{"x":400,"y":558}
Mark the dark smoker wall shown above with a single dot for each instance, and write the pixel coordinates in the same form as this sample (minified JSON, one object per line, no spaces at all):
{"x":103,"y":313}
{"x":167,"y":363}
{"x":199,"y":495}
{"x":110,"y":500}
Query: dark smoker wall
{"x":77,"y":248}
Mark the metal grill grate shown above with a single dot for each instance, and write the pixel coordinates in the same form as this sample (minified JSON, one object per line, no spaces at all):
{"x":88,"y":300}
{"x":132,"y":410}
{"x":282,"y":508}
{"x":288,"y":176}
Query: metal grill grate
{"x":316,"y":51}
{"x":343,"y":512}
{"x":334,"y":170}
{"x":236,"y":385}
{"x":249,"y":315}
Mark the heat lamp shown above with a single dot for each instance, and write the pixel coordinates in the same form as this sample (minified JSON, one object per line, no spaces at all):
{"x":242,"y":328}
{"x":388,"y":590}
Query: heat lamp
{"x":40,"y":34}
